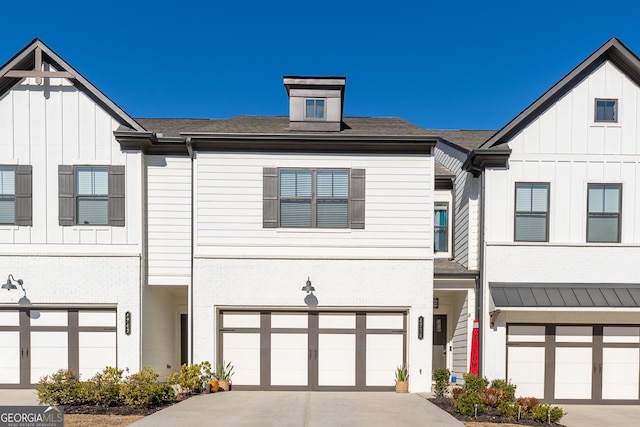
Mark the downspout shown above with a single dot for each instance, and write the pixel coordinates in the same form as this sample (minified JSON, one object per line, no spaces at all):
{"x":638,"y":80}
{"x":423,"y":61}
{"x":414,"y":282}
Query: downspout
{"x":190,"y":302}
{"x":480,"y":286}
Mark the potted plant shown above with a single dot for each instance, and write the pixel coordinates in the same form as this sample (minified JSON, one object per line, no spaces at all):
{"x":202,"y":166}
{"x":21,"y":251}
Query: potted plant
{"x":402,"y":379}
{"x":223,"y":375}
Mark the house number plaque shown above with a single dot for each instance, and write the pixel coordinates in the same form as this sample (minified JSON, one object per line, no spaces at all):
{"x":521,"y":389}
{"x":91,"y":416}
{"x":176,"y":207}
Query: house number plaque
{"x":127,"y":323}
{"x":420,"y":327}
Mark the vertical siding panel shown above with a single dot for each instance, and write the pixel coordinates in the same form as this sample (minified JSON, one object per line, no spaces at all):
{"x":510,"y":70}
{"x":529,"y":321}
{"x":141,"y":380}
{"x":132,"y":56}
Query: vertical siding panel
{"x":577,"y":204}
{"x":564,"y":124}
{"x":70,"y":126}
{"x":46,"y":175}
{"x":87,"y":129}
{"x":559,"y":215}
{"x":581,"y":116}
{"x":6,"y":130}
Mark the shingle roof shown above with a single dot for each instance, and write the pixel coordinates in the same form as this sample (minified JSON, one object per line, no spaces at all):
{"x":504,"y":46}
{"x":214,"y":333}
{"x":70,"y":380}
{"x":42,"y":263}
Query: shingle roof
{"x":466,"y":139}
{"x":280,"y":125}
{"x":442,"y":171}
{"x":447,"y":267}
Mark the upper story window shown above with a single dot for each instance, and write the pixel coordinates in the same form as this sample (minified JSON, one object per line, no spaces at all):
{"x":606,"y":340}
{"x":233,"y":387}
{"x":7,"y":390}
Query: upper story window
{"x":7,"y":195}
{"x":532,"y":212}
{"x":314,"y":109}
{"x":313,"y":198}
{"x":603,"y":216}
{"x":15,"y":195}
{"x":91,"y":195}
{"x":606,"y":110}
{"x":441,"y":227}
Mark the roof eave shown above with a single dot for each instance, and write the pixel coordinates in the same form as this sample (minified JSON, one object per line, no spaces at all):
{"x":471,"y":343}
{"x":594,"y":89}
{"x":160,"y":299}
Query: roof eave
{"x":480,"y":159}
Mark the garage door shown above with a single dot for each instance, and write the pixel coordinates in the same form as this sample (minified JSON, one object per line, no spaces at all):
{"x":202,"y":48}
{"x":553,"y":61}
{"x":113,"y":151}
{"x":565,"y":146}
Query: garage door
{"x":575,"y":363}
{"x":288,"y":350}
{"x":35,"y":343}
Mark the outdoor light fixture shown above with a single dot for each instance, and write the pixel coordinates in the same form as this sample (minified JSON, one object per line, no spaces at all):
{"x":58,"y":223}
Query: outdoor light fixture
{"x":9,"y":286}
{"x":308,"y":288}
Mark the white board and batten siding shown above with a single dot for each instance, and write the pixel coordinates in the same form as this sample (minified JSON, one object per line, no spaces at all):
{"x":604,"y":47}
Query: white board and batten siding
{"x":169,"y":220}
{"x":567,"y":148}
{"x":399,"y":208}
{"x":56,"y":123}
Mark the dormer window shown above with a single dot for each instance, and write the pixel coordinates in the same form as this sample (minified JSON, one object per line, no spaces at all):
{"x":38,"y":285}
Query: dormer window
{"x":314,"y":109}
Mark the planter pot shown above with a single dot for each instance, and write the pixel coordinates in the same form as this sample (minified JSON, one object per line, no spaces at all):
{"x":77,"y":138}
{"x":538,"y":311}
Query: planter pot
{"x":214,"y":386}
{"x":224,"y":385}
{"x":402,"y":386}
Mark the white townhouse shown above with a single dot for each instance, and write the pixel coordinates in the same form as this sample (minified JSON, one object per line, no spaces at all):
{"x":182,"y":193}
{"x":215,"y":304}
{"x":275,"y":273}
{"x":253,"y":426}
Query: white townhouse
{"x":71,"y":224}
{"x":300,"y":248}
{"x":560,"y":237}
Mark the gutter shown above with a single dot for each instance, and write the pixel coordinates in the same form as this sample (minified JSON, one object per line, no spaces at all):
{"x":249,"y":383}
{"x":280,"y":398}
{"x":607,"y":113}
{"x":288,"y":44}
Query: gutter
{"x":190,"y":297}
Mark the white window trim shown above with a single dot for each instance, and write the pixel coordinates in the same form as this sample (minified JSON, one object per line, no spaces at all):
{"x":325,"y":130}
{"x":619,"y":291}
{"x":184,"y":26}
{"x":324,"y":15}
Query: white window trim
{"x":444,"y":196}
{"x":324,"y":110}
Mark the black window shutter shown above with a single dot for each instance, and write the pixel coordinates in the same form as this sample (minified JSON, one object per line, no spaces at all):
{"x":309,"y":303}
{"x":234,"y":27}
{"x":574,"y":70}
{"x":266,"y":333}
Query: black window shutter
{"x":66,"y":195}
{"x":270,"y":197}
{"x":24,"y":205}
{"x":116,"y":196}
{"x":356,"y":198}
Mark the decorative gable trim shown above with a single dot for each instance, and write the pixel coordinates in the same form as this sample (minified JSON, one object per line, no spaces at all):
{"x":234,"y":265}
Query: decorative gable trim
{"x":28,"y":63}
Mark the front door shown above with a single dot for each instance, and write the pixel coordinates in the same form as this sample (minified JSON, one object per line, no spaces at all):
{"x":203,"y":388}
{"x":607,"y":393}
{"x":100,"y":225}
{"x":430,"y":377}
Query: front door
{"x":439,"y":341}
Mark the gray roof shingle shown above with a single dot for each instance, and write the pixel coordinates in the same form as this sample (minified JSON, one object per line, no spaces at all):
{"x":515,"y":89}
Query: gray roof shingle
{"x":280,"y":125}
{"x":468,"y":140}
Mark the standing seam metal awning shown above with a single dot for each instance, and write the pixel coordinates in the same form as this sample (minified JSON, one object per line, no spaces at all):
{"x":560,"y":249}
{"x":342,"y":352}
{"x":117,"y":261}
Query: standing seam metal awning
{"x":565,"y":294}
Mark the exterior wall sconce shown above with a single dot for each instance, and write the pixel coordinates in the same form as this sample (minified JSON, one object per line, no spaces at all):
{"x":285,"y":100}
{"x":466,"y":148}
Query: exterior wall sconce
{"x":308,"y":288}
{"x":10,"y":286}
{"x":310,"y":299}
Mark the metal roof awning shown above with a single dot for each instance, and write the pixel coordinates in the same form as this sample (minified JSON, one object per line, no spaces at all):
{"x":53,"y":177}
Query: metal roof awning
{"x":559,"y":295}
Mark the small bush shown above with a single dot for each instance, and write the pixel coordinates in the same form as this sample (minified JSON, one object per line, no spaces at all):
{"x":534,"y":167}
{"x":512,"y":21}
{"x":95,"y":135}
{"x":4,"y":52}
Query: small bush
{"x":507,"y":387}
{"x":441,"y":378}
{"x":456,"y":392}
{"x":474,"y":383}
{"x":528,"y":403}
{"x":508,"y":409}
{"x":60,"y":388}
{"x":546,"y":413}
{"x":103,"y":389}
{"x":492,"y":396}
{"x":188,"y":377}
{"x":141,"y":389}
{"x":465,"y":404}
{"x":402,"y":373}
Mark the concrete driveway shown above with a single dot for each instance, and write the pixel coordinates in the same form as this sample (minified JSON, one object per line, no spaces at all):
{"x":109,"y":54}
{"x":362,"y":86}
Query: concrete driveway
{"x":601,"y":415}
{"x":297,"y":409}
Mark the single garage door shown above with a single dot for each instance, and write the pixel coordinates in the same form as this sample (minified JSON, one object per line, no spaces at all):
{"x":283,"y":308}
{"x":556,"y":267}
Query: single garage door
{"x":575,"y":363}
{"x":316,"y":350}
{"x":35,"y":343}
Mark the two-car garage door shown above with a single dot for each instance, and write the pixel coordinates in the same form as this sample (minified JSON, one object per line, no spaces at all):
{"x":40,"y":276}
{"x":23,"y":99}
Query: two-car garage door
{"x":312,"y":350}
{"x":575,"y":363}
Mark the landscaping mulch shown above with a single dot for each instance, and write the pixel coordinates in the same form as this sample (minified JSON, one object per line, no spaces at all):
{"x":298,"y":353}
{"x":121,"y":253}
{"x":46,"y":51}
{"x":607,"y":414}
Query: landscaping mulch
{"x":491,"y":415}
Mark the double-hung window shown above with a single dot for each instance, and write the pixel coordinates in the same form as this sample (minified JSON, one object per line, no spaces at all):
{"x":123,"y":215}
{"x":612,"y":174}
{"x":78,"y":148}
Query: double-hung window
{"x":532,"y":212}
{"x":603,"y":217}
{"x":15,"y":195}
{"x":7,"y":195}
{"x":314,"y":198}
{"x":441,"y":228}
{"x":314,"y":109}
{"x":92,"y":195}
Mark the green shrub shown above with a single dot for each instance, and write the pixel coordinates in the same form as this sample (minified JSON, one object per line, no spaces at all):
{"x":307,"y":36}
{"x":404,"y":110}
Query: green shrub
{"x":103,"y":389}
{"x":507,"y":387}
{"x":161,"y":394}
{"x":545,"y":413}
{"x":474,"y":383}
{"x":492,"y":396}
{"x":60,"y":388}
{"x":142,"y":389}
{"x":441,"y":377}
{"x":509,"y":409}
{"x":465,"y":404}
{"x":188,"y":377}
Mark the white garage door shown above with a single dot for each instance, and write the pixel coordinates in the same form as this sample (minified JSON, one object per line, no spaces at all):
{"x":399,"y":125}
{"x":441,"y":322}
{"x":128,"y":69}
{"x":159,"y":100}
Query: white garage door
{"x":303,"y":350}
{"x":35,"y":343}
{"x":575,"y":363}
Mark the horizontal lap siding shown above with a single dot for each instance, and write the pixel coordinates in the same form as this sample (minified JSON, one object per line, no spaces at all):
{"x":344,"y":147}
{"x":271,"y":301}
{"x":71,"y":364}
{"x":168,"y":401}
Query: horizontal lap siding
{"x":169,"y":220}
{"x":399,"y":204}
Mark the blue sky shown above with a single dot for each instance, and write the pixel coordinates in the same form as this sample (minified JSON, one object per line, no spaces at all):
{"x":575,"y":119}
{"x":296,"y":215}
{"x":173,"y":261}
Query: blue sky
{"x":459,"y":65}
